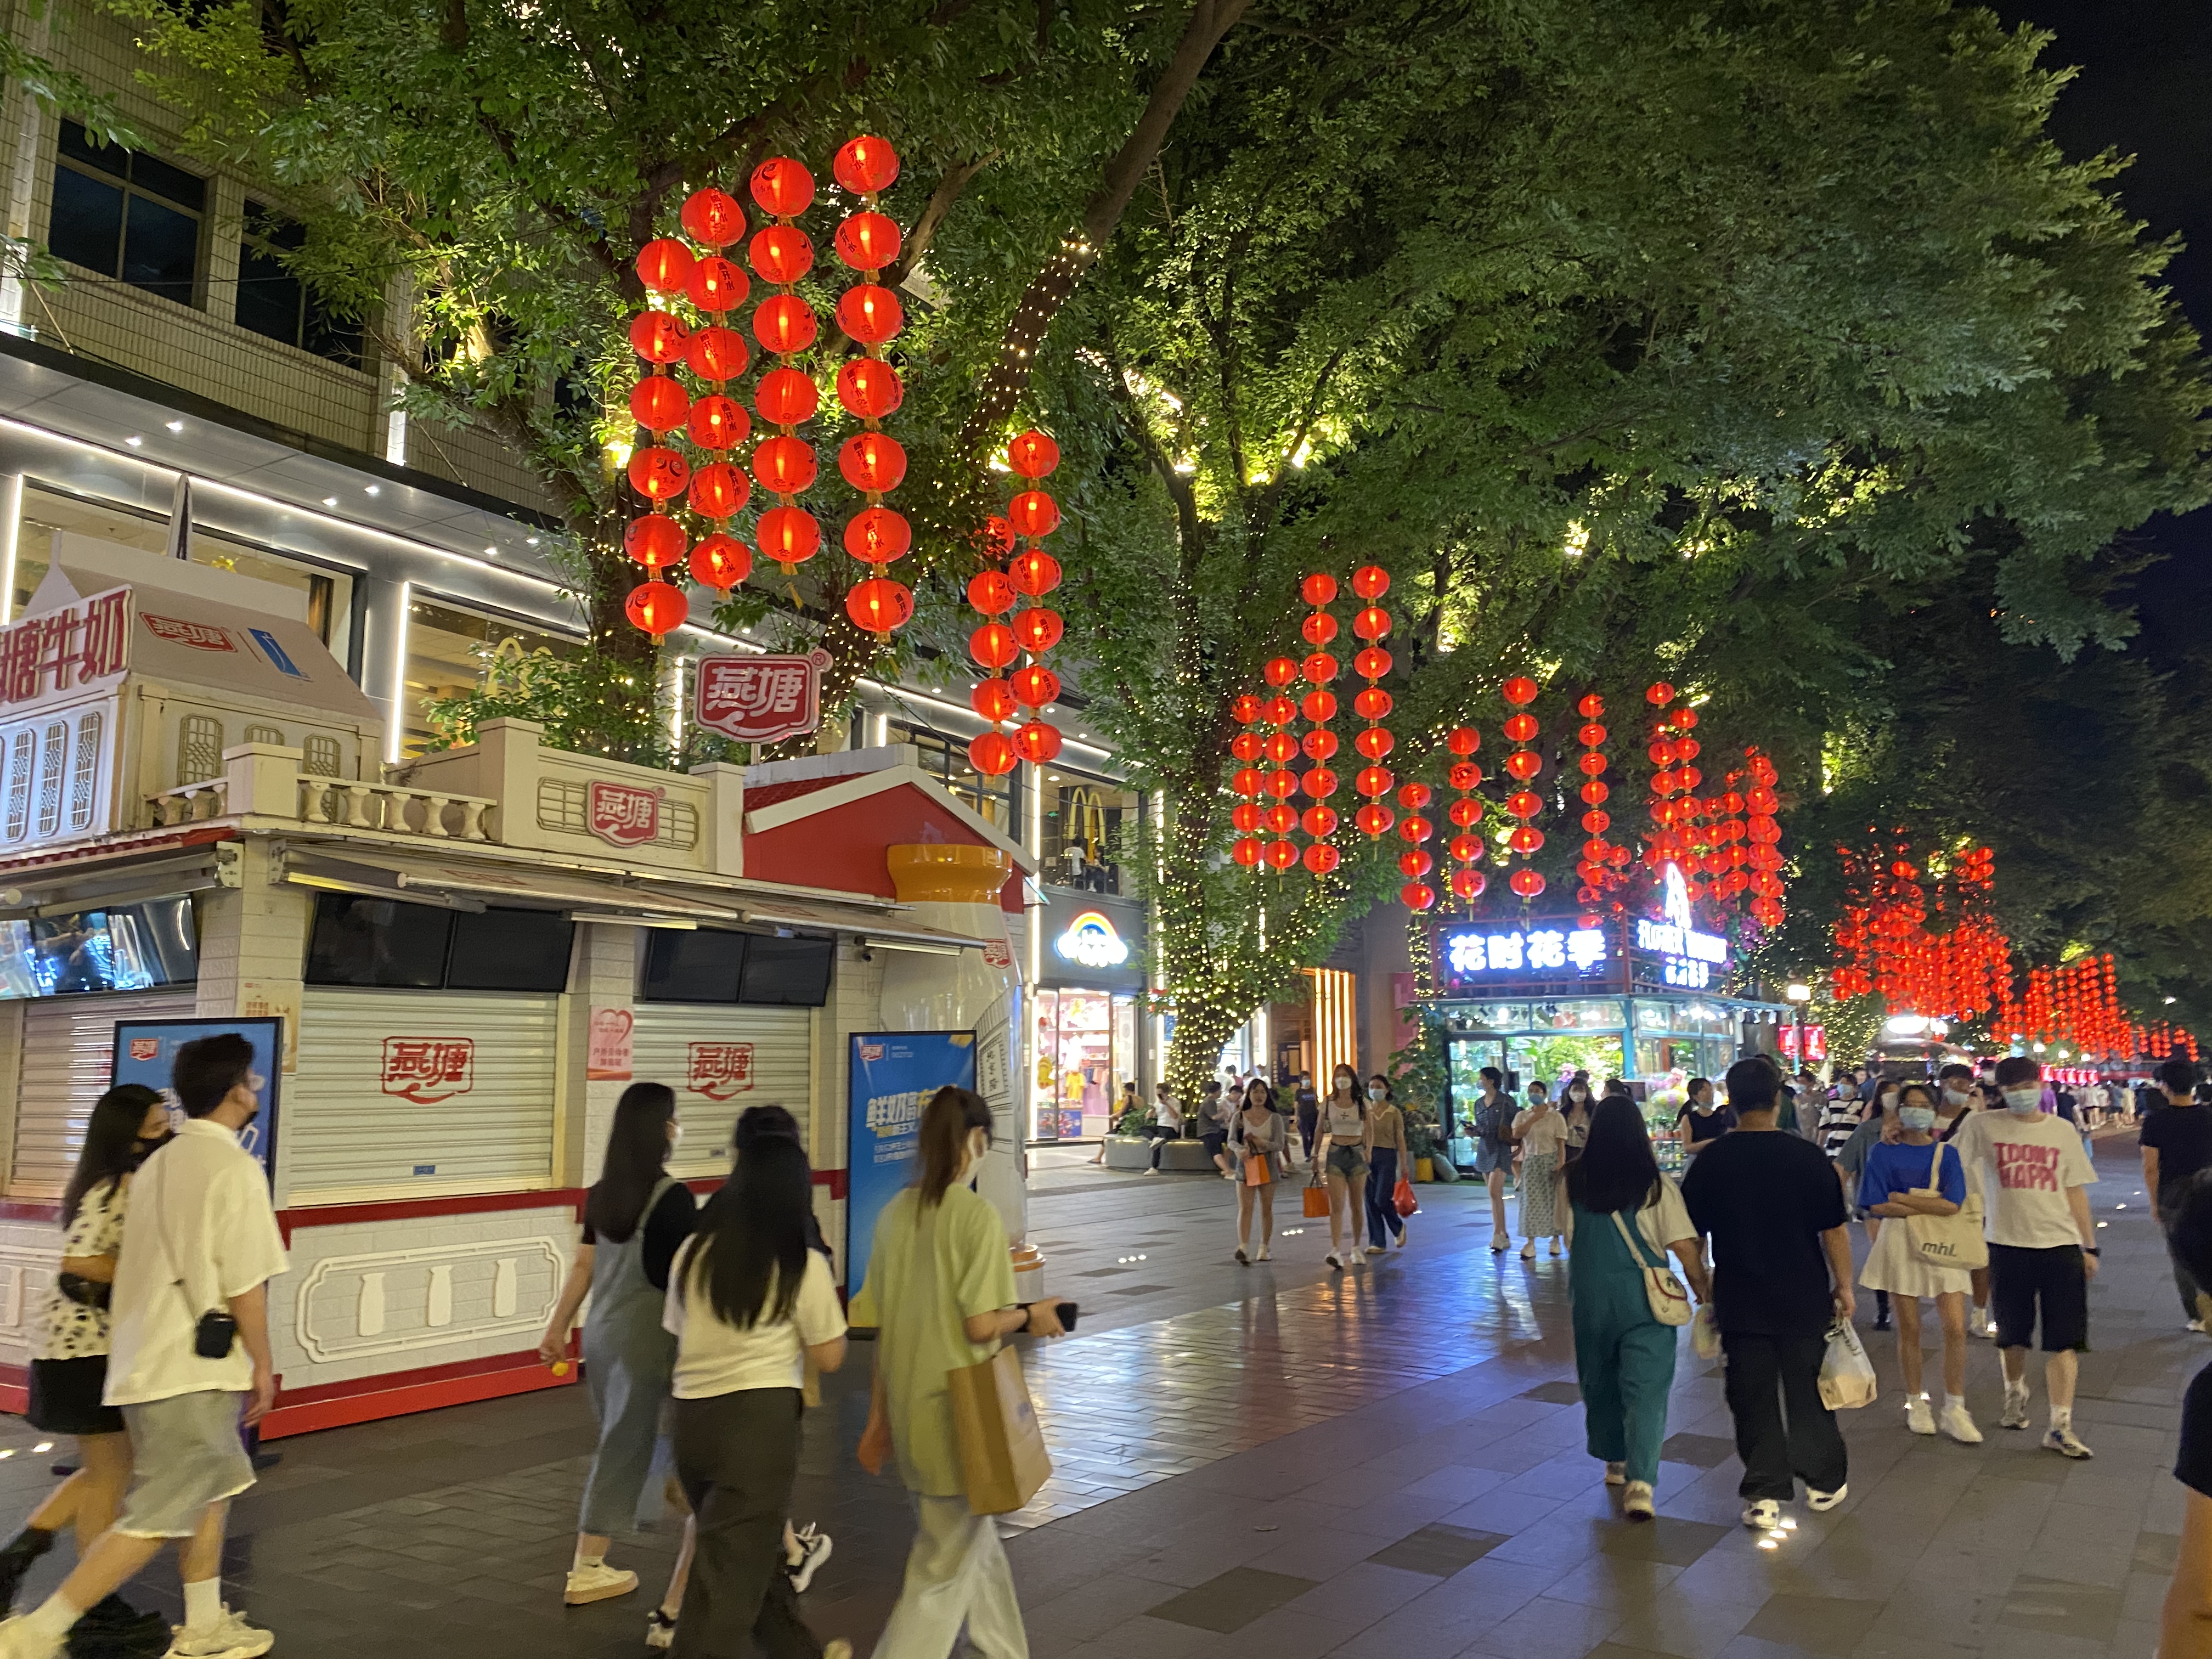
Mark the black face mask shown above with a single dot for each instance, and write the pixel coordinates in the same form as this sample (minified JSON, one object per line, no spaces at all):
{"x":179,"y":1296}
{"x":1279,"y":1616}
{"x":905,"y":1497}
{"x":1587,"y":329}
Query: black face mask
{"x":141,"y":1149}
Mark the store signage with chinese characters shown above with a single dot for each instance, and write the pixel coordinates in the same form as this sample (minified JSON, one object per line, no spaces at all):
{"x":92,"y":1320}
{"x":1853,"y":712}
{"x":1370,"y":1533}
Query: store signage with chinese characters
{"x":622,"y":814}
{"x":1687,"y":957}
{"x":720,"y":1071}
{"x":760,"y":699}
{"x":1493,"y":953}
{"x":1091,"y":940}
{"x":66,"y":648}
{"x":1816,"y":1042}
{"x":427,"y":1070}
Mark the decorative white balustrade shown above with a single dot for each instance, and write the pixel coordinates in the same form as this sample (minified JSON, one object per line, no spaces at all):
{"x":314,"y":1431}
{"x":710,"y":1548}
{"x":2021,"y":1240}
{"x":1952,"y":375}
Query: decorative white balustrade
{"x":265,"y":780}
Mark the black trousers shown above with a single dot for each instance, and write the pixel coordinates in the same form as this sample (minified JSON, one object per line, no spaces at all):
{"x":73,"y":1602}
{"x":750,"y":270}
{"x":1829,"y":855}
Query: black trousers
{"x":1159,"y":1135}
{"x":2185,"y":1282}
{"x":736,"y":1455}
{"x":1769,"y":1379}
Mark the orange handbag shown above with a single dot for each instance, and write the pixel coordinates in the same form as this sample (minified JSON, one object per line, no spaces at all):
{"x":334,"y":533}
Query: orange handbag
{"x":1316,"y":1201}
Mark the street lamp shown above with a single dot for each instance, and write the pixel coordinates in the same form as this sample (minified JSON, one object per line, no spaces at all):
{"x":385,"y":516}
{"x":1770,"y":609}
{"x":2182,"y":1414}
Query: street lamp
{"x":1799,"y":993}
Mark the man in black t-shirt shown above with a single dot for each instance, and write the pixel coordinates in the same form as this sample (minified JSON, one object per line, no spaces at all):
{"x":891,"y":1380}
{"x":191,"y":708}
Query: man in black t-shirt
{"x":2177,"y":1142}
{"x":1782,"y":1276}
{"x":2188,"y":1612}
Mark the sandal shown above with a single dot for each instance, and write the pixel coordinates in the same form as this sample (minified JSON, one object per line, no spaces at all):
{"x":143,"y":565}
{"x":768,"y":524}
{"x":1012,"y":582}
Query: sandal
{"x":1528,"y":1251}
{"x":1500,"y":1244}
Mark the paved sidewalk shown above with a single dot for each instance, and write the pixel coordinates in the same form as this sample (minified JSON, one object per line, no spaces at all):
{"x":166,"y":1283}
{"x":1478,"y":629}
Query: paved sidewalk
{"x":1286,"y":1463}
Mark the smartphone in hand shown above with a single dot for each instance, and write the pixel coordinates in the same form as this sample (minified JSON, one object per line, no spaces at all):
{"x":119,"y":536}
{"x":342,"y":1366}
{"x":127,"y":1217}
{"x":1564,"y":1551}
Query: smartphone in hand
{"x":1066,"y":1311}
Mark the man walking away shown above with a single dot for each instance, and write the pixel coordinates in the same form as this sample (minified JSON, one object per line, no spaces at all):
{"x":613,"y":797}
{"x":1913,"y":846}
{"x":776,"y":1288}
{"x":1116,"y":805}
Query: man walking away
{"x":2177,"y":1142}
{"x":2043,"y":1250}
{"x":190,"y":1358}
{"x":1782,"y":1275}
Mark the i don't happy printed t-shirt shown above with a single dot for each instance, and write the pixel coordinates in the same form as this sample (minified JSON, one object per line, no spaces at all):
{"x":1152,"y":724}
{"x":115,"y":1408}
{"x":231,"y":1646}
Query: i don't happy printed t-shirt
{"x":2027,"y":1165}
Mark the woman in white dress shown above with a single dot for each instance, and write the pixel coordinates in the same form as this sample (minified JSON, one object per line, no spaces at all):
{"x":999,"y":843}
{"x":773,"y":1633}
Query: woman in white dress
{"x":1917,"y":1175}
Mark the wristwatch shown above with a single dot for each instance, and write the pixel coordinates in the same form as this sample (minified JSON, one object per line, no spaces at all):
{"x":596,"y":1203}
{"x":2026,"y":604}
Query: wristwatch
{"x":2091,"y":1249}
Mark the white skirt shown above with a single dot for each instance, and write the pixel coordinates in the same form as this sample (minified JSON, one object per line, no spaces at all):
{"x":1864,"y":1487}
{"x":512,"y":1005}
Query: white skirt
{"x":1894,"y":1266}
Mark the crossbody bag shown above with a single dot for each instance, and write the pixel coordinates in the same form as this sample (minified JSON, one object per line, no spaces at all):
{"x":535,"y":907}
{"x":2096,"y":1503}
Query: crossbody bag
{"x":1669,"y":1300}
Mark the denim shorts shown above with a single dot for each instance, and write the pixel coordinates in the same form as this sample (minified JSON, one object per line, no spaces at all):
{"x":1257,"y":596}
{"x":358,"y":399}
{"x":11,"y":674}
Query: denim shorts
{"x":1348,"y":1162}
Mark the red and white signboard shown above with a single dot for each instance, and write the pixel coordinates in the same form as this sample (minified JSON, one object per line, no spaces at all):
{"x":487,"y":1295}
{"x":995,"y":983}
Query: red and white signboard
{"x":145,"y":1047}
{"x":760,"y":699}
{"x":720,"y":1070}
{"x":200,"y":636}
{"x":608,"y":1056}
{"x":1816,"y":1042}
{"x":64,"y":648}
{"x":427,"y":1070}
{"x":622,"y":814}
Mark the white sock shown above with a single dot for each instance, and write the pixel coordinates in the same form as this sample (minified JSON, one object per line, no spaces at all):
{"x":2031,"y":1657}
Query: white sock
{"x":52,"y":1618}
{"x":1953,"y":1401}
{"x":2061,"y":1417}
{"x":204,"y":1604}
{"x":583,"y":1560}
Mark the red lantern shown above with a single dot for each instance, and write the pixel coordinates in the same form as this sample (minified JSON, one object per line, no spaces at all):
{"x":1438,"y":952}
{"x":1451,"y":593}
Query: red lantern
{"x":1523,"y":764}
{"x":1036,"y":685}
{"x":870,"y":314}
{"x":1374,"y":781}
{"x":992,"y":699}
{"x":1375,"y":742}
{"x":657,"y":404}
{"x":1524,"y":803}
{"x":1372,"y":703}
{"x":1469,"y":884}
{"x":1319,"y":707}
{"x":1371,"y":664}
{"x":1038,"y":630}
{"x":1465,"y":847}
{"x":781,"y":254}
{"x":721,"y":562}
{"x":1319,"y":821}
{"x":1372,"y":624}
{"x":879,"y":605}
{"x":1375,"y":818}
{"x":783,"y":187}
{"x":1527,"y":883}
{"x":1590,"y":707}
{"x":659,"y":474}
{"x":1319,"y":669}
{"x":657,"y":336}
{"x":1591,"y":764}
{"x":719,"y":489}
{"x":1464,"y":814}
{"x":869,"y":388}
{"x":866,"y":166}
{"x":784,"y":466}
{"x":1416,"y":827}
{"x":1414,"y":796}
{"x":1318,"y":629}
{"x":993,"y":645}
{"x":1520,"y":728}
{"x":1245,"y":710}
{"x":656,"y":607}
{"x":877,"y":535}
{"x":1319,"y":783}
{"x":1246,"y":852}
{"x":990,"y":592}
{"x":996,"y":539}
{"x":719,"y":423}
{"x":788,"y":535}
{"x":664,"y":265}
{"x":716,"y":285}
{"x":1281,"y":671}
{"x":1414,"y":862}
{"x":1464,"y":740}
{"x":1033,"y":572}
{"x":1032,"y":454}
{"x":1281,"y":818}
{"x":713,"y":217}
{"x":786,"y":396}
{"x":1525,"y":840}
{"x":1033,"y":513}
{"x":1659,"y":694}
{"x":991,"y":753}
{"x":1320,"y":744}
{"x":719,"y":354}
{"x":1520,"y":691}
{"x":654,"y":541}
{"x":1245,"y":816}
{"x":784,"y":324}
{"x":872,"y":462}
{"x":1370,"y":581}
{"x":1321,"y":858}
{"x":1282,"y":854}
{"x":1320,"y":588}
{"x":868,"y":241}
{"x":1417,"y":896}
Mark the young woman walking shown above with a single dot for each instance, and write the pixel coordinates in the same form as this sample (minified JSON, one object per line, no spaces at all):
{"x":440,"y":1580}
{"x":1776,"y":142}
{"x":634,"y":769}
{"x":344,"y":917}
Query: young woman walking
{"x":1627,"y":1217}
{"x":68,"y":1361}
{"x":1346,"y":1150}
{"x":940,"y":1289}
{"x":1258,"y":1137}
{"x":635,"y":1217}
{"x":1386,"y":1127}
{"x":1700,"y":1122}
{"x":1542,"y":1134}
{"x":1895,"y":1185}
{"x":1493,"y":1150}
{"x":750,"y":1306}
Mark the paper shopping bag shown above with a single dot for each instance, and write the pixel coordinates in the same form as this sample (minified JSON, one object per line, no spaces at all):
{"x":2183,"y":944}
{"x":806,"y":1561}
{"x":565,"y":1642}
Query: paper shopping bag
{"x":1316,"y":1201}
{"x":1002,"y":1456}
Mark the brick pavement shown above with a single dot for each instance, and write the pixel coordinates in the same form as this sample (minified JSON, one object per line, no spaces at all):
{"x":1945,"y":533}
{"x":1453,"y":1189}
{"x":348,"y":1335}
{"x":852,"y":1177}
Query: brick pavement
{"x":1281,"y":1462}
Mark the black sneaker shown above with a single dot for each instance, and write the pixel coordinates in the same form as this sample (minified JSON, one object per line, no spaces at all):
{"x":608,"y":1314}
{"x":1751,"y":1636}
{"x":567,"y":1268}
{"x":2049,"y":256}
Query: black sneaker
{"x":17,"y":1557}
{"x":113,"y":1629}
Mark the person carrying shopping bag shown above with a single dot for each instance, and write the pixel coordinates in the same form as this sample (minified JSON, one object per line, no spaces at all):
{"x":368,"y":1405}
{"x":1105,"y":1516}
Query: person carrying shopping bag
{"x":1258,"y":1138}
{"x":1627,"y":1216}
{"x":1915,"y":1175}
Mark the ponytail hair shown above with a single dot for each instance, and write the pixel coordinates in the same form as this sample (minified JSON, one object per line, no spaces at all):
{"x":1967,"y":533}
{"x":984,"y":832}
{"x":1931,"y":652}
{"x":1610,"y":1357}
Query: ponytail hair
{"x":945,"y":1123}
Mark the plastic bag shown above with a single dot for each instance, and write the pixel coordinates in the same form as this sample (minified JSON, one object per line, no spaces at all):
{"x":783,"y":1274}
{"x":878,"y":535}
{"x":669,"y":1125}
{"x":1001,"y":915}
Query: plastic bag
{"x":1402,"y":1199}
{"x":1705,"y":1332}
{"x":1847,"y":1379}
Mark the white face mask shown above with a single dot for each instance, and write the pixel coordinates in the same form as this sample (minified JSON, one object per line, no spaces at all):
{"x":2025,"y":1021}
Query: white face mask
{"x":1917,"y":1118}
{"x":675,"y":1136}
{"x":1955,"y":1096}
{"x":2023,"y":1103}
{"x":1375,"y":1092}
{"x":1578,"y":1094}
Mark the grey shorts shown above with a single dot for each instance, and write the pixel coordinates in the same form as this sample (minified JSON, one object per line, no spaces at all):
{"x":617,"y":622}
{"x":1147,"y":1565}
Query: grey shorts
{"x":1348,"y":1161}
{"x":186,"y":1454}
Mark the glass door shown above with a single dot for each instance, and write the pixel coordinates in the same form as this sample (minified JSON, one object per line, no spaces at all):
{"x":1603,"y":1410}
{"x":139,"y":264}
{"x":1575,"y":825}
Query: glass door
{"x":1468,"y":1056}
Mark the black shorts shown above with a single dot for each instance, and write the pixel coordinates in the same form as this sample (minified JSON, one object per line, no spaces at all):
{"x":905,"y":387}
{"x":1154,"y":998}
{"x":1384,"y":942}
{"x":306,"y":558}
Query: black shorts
{"x":66,"y":1397}
{"x":2021,"y":1280}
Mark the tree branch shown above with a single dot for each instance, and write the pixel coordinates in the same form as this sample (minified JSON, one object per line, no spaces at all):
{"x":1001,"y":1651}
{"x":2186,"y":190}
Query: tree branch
{"x":917,"y":240}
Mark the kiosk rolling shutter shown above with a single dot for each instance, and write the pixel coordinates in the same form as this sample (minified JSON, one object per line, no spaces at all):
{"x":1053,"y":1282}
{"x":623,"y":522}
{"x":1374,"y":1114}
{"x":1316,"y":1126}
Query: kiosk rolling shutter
{"x":426,"y":1092}
{"x":69,"y":1056}
{"x":720,"y":1060}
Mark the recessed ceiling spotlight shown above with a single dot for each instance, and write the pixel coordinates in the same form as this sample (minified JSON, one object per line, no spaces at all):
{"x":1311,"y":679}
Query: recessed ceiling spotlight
{"x":134,"y":440}
{"x":175,"y":426}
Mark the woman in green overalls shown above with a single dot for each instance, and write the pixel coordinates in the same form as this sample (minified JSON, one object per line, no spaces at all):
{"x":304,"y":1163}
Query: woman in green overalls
{"x":1625,"y":1216}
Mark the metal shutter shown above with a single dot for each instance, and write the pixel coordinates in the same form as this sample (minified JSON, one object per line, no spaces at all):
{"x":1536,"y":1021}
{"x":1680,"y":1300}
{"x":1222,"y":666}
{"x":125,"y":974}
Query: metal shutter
{"x":720,"y":1061}
{"x":417,"y":1092}
{"x":69,"y":1058}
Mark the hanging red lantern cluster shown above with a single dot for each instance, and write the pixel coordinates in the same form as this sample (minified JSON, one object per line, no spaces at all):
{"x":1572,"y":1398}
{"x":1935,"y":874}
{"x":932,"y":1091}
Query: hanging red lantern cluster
{"x":1249,"y":748}
{"x":1522,"y":765}
{"x":1464,"y":814}
{"x":784,"y":325}
{"x":1764,"y":832}
{"x":1674,"y":777}
{"x":1276,"y":781}
{"x":1370,"y":626}
{"x":1600,"y":865}
{"x":993,"y":648}
{"x":1318,"y":705}
{"x":872,"y":460}
{"x":1028,"y":575}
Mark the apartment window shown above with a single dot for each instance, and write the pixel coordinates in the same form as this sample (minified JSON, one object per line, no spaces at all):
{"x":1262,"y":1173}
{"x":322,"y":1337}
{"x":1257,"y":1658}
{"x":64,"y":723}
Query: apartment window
{"x":127,"y":214}
{"x":272,"y":301}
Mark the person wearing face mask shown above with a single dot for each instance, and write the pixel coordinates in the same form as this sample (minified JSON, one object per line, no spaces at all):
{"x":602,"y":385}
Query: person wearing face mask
{"x":635,"y":1217}
{"x":2177,"y":1142}
{"x":1387,"y":1125}
{"x":1347,"y":1148}
{"x":188,"y":1360}
{"x":940,"y":1294}
{"x":1309,"y":1106}
{"x":1493,"y":1148}
{"x":1840,"y":1117}
{"x":1916,"y":1174}
{"x":1957,"y":1097}
{"x":1541,"y":1133}
{"x":2043,"y":1244}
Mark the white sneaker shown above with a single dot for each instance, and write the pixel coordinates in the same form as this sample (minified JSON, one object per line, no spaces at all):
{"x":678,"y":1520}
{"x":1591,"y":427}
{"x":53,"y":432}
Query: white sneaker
{"x":229,"y":1638}
{"x":2196,"y":1325}
{"x":1358,"y":1256}
{"x":1153,"y":1171}
{"x":2014,"y":1415}
{"x":1824,"y":1501}
{"x":1635,"y":1502}
{"x":19,"y":1641}
{"x":1404,"y":1237}
{"x":1988,"y":1327}
{"x":1334,"y":1261}
{"x":659,"y":1631}
{"x":1261,"y":1255}
{"x":1918,"y":1416}
{"x":597,"y":1584}
{"x":1616,"y":1474}
{"x":1762,"y":1515}
{"x":1959,"y":1423}
{"x":2066,"y":1443}
{"x":814,"y":1547}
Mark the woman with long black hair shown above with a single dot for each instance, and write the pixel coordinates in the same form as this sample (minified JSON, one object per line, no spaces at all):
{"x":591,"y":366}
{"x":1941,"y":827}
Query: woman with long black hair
{"x":635,"y":1217}
{"x":1626,"y":1217}
{"x":1347,"y":1148}
{"x":68,"y":1356}
{"x":749,"y":1304}
{"x":1258,"y":1137}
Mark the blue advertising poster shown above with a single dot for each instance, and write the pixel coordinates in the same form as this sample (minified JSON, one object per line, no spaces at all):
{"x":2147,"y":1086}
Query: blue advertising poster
{"x":146,"y":1050}
{"x":893,"y":1075}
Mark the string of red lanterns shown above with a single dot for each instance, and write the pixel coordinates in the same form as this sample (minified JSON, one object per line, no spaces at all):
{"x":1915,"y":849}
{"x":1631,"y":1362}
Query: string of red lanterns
{"x":1464,"y":775}
{"x":1598,"y":865}
{"x":871,"y":461}
{"x":1523,"y":764}
{"x":1318,"y":705}
{"x":1248,"y":815}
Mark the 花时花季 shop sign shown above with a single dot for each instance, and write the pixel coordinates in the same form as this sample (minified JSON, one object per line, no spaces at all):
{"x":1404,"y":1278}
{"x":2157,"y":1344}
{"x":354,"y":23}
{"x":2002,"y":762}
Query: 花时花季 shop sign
{"x":1687,"y":957}
{"x":1494,"y":953}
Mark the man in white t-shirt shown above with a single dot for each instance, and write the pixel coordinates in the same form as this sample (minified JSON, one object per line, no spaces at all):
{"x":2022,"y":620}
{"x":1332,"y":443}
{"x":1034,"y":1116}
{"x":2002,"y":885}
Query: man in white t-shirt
{"x":2043,"y":1244}
{"x":190,"y":1361}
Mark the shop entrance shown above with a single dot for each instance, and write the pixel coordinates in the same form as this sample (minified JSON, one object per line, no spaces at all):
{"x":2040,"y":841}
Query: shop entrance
{"x":1086,"y":1049}
{"x":1544,"y":1057}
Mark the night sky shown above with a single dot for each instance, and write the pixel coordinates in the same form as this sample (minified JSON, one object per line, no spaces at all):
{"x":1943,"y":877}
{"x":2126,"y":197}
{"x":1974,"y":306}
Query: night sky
{"x":2144,"y":89}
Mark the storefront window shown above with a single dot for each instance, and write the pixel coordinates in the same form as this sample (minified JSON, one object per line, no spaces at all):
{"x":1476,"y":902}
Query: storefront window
{"x":1086,"y":1047}
{"x":945,"y":759}
{"x":1086,"y":821}
{"x":449,"y":652}
{"x":327,"y":595}
{"x":1600,"y":1015}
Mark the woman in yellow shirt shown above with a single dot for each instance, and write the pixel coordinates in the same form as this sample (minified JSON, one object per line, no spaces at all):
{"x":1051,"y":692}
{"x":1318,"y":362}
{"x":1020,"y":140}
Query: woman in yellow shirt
{"x":1389,"y":1161}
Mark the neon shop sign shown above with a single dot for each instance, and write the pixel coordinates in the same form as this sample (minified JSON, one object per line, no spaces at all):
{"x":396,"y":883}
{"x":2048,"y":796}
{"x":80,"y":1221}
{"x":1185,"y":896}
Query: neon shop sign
{"x":1091,"y":940}
{"x":1686,"y":957}
{"x":1471,"y":952}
